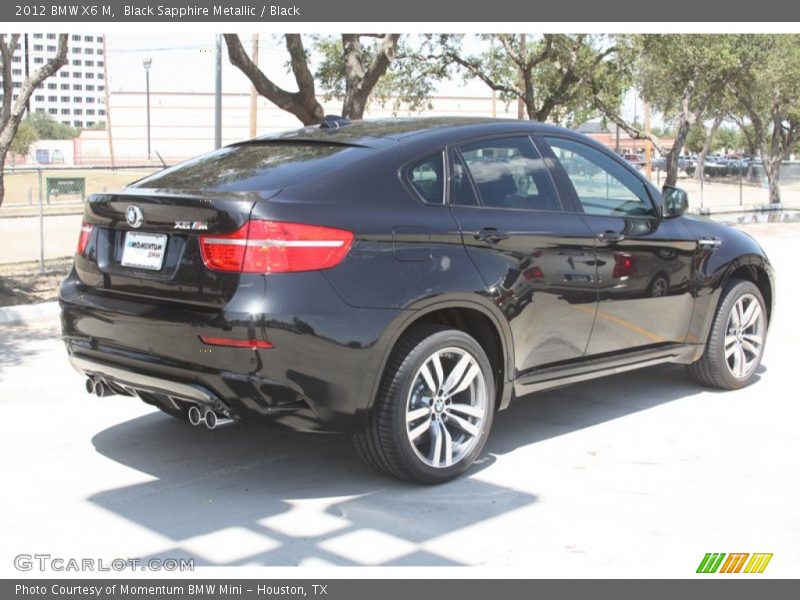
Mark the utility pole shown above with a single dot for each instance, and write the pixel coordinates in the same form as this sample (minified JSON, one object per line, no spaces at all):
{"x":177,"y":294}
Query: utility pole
{"x":648,"y":145}
{"x":108,"y":103}
{"x":218,"y":92}
{"x":253,"y":93}
{"x":523,"y":60}
{"x":147,"y":62}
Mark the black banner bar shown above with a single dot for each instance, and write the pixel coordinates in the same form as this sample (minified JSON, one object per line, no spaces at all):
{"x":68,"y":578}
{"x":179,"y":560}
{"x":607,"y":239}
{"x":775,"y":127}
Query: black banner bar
{"x":302,"y":11}
{"x":393,"y":589}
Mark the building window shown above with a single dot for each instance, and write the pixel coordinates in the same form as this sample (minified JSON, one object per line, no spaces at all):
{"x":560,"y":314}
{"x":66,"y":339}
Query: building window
{"x":100,"y":51}
{"x":38,"y":60}
{"x":76,"y":38}
{"x":77,"y":111}
{"x":77,"y":99}
{"x":101,"y":88}
{"x":37,"y":36}
{"x":101,"y":112}
{"x":52,"y":86}
{"x":89,"y":87}
{"x":51,"y":36}
{"x":100,"y":76}
{"x":51,"y":48}
{"x":39,"y":98}
{"x":16,"y":59}
{"x":77,"y":123}
{"x":88,"y":51}
{"x":77,"y":87}
{"x":88,"y":38}
{"x":90,"y":111}
{"x":65,"y":98}
{"x":100,"y":63}
{"x":89,"y":63}
{"x":77,"y":74}
{"x":90,"y":123}
{"x":89,"y":100}
{"x":76,"y":63}
{"x":100,"y":39}
{"x":52,"y":111}
{"x":52,"y":98}
{"x":90,"y":76}
{"x":64,"y":86}
{"x":38,"y":48}
{"x":16,"y":71}
{"x":17,"y":84}
{"x":39,"y":111}
{"x":76,"y":50}
{"x":63,"y":74}
{"x":64,"y":111}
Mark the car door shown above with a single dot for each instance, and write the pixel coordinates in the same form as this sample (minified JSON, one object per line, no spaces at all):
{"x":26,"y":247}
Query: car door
{"x":537,"y":260}
{"x":643,"y":262}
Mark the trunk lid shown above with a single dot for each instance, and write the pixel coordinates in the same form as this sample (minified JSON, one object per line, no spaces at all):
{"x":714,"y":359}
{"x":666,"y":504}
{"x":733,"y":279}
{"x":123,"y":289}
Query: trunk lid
{"x":145,"y":244}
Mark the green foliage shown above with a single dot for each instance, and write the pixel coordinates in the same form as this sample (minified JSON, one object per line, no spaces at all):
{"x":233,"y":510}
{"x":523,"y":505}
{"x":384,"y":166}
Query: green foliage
{"x":408,"y":83}
{"x":696,"y":138}
{"x":48,"y":129}
{"x":557,"y":76}
{"x":728,"y":139}
{"x":24,"y":138}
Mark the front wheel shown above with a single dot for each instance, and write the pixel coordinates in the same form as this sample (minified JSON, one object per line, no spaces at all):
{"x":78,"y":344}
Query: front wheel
{"x":736,"y":340}
{"x":434,"y":408}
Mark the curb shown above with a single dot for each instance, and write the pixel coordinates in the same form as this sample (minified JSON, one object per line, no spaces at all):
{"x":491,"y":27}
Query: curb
{"x":28,"y":313}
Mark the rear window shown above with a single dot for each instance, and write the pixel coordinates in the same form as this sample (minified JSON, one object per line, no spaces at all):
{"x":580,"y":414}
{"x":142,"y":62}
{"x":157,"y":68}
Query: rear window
{"x":254,"y":167}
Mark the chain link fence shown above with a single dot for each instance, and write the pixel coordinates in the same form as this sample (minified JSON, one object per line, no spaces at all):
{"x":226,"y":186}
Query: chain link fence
{"x":41,"y":213}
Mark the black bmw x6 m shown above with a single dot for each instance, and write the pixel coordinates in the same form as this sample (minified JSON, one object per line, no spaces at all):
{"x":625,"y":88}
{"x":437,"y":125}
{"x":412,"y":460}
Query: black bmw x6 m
{"x":402,"y":280}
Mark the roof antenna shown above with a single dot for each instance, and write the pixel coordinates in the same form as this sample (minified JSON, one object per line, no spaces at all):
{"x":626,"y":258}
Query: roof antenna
{"x":333,"y":122}
{"x":163,"y":162}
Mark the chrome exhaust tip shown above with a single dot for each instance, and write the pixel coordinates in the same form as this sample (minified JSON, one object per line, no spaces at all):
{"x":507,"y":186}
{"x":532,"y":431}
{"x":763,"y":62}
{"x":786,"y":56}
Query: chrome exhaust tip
{"x":194,"y":416}
{"x":90,"y":385}
{"x":101,"y":389}
{"x":213,"y":420}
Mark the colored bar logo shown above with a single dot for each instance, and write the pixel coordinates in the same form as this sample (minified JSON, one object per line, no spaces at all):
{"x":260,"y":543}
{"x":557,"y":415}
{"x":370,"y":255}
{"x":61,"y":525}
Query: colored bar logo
{"x":719,"y":562}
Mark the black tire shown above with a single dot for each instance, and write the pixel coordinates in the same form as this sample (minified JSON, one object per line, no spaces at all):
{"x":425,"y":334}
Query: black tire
{"x":384,"y":441}
{"x":659,"y":285}
{"x":712,"y":370}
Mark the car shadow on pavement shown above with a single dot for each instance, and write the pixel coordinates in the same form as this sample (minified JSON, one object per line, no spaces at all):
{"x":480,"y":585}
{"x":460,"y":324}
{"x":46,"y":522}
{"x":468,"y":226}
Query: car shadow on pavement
{"x":242,"y":495}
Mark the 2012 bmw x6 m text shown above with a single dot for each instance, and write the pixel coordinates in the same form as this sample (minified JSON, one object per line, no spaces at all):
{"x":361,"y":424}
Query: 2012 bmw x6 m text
{"x":402,"y":280}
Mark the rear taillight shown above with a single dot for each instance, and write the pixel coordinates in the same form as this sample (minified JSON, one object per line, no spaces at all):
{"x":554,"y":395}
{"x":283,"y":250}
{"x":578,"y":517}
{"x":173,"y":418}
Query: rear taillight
{"x":624,"y":265}
{"x":83,"y":239}
{"x":276,"y":247}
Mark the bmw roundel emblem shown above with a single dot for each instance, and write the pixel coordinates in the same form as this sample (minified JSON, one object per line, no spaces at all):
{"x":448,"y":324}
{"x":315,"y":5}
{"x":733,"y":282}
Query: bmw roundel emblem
{"x":134,"y":216}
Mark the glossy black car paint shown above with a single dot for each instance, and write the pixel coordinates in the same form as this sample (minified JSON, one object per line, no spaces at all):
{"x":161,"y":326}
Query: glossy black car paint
{"x":543,"y":302}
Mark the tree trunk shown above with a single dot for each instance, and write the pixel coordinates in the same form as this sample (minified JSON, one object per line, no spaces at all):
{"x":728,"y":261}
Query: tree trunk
{"x":772,"y":168}
{"x":701,"y":160}
{"x":675,"y":152}
{"x":3,"y":152}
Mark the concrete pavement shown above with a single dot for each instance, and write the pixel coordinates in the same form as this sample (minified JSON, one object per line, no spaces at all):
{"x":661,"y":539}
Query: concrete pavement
{"x":639,"y":474}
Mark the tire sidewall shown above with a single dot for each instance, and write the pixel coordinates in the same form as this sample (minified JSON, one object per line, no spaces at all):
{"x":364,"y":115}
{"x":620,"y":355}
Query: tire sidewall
{"x":716,"y":345}
{"x":444,"y":339}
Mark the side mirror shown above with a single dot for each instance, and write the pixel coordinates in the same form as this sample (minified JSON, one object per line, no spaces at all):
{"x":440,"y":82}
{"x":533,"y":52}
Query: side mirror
{"x":674,"y":202}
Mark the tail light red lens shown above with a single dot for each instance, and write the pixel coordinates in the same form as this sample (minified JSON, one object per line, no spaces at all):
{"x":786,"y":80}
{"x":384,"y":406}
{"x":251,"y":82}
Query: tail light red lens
{"x":276,"y":247}
{"x":83,"y":239}
{"x":624,"y":265}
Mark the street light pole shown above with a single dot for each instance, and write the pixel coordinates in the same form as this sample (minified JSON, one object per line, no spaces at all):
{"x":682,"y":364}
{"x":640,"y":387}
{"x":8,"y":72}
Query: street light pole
{"x":146,"y":63}
{"x":218,"y":92}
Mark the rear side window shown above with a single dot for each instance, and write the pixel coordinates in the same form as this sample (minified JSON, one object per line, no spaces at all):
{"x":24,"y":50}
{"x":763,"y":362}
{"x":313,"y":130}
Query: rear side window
{"x":254,"y":167}
{"x":509,"y":173}
{"x":427,"y":179}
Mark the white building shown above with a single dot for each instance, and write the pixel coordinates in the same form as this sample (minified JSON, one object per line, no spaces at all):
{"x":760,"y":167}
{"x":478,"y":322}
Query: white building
{"x":75,"y":95}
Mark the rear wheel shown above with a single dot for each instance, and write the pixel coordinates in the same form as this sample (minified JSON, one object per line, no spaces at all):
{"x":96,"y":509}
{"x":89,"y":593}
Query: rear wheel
{"x":736,"y":341}
{"x":434,"y":408}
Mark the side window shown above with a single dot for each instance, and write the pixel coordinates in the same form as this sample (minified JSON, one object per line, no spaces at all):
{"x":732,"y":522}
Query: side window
{"x":461,"y":190}
{"x":603,"y":186}
{"x":427,"y":178}
{"x":509,"y":173}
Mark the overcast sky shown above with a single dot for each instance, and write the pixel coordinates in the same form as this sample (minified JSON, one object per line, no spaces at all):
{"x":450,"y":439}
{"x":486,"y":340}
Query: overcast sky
{"x":185,"y":63}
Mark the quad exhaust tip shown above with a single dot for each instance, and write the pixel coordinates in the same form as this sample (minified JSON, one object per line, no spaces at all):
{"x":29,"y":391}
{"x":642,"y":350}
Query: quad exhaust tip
{"x":97,"y":387}
{"x":208,"y":417}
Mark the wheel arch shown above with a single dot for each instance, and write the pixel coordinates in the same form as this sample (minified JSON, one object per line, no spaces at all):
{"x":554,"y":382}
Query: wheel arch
{"x":471,"y":316}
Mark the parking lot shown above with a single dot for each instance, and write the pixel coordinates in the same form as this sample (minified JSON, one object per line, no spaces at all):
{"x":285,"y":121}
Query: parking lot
{"x":635,"y":475}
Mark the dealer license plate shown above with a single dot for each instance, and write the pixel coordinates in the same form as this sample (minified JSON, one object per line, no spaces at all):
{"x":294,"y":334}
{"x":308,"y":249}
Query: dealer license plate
{"x":144,"y":250}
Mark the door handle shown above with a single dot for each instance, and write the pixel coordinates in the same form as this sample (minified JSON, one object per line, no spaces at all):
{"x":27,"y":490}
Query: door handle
{"x":610,"y":236}
{"x":491,"y":235}
{"x":709,"y":243}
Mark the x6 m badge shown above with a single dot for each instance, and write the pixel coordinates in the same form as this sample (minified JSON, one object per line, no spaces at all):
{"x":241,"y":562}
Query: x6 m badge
{"x":192,"y":225}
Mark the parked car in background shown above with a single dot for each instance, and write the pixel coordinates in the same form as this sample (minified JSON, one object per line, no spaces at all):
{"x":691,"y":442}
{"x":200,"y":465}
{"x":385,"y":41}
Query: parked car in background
{"x":402,"y":280}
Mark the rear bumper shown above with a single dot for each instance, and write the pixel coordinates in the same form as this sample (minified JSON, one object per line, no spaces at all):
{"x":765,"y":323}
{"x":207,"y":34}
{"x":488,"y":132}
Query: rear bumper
{"x":319,"y":376}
